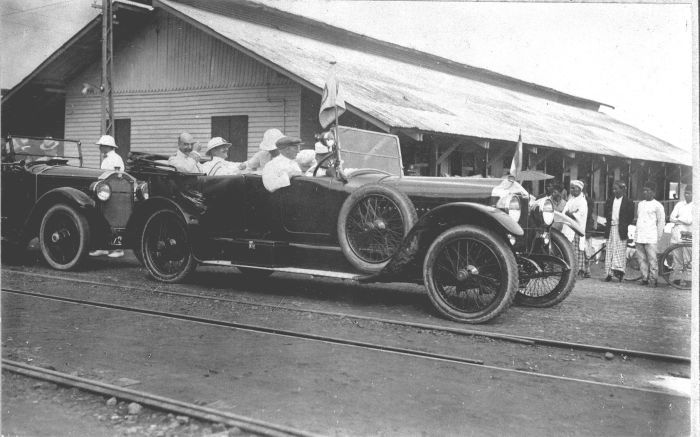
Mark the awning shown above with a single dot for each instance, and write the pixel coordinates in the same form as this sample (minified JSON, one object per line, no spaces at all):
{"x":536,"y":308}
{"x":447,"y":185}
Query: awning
{"x":407,"y":96}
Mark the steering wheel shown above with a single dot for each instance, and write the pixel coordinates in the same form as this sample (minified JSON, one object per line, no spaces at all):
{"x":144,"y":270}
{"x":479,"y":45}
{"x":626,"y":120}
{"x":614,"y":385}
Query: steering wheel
{"x":324,"y":160}
{"x":361,"y":171}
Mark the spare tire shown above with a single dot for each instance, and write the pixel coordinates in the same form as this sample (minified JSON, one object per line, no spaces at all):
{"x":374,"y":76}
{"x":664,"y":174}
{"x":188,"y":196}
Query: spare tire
{"x":372,"y":224}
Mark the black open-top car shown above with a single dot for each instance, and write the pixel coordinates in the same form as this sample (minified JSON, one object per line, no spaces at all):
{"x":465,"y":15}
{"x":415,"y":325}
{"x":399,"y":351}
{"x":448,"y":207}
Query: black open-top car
{"x":475,"y":243}
{"x":46,"y":193}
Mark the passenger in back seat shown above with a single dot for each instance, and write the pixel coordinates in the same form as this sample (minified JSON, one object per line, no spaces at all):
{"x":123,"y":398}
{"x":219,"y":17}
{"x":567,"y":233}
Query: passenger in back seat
{"x":217,"y":148}
{"x":277,"y":173}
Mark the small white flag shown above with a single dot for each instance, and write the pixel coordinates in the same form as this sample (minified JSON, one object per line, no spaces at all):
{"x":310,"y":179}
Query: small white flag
{"x":332,"y":102}
{"x":517,"y":164}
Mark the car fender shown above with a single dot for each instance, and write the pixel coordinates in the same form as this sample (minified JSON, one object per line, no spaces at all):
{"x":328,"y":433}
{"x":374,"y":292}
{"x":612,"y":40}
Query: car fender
{"x":189,"y":214}
{"x":566,"y":220}
{"x":409,"y":257}
{"x":69,"y":195}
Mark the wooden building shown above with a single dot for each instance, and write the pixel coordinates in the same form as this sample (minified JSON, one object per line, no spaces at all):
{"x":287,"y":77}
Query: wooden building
{"x":237,"y":68}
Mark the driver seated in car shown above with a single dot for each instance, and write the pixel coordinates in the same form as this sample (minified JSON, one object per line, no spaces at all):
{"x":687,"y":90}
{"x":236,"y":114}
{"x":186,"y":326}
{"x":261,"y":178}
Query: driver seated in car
{"x":279,"y":170}
{"x":217,"y":148}
{"x":307,"y":161}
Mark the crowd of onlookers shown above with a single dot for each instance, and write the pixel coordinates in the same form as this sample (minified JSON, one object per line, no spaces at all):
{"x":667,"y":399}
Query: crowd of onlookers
{"x":645,"y":224}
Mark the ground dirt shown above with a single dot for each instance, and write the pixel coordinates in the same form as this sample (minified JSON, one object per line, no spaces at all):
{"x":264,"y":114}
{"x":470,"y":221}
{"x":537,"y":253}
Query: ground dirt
{"x":340,"y":390}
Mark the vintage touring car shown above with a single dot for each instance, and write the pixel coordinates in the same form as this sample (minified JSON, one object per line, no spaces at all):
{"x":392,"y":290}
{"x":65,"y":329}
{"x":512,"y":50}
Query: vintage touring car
{"x":47,"y":193}
{"x":474,"y":243}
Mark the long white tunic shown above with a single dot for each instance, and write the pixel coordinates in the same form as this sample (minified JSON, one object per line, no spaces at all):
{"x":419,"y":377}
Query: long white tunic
{"x":650,"y":222}
{"x":578,"y":207}
{"x":683,"y":214}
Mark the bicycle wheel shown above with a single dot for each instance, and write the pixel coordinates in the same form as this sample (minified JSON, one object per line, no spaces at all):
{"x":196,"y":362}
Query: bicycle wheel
{"x":676,"y":266}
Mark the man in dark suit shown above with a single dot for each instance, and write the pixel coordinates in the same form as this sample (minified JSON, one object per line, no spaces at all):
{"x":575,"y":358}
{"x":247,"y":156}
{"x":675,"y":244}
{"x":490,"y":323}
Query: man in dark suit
{"x":619,"y":214}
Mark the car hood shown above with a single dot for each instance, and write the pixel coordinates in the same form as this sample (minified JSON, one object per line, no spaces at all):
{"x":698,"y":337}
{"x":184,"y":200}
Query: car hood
{"x":454,"y":188}
{"x":67,"y":170}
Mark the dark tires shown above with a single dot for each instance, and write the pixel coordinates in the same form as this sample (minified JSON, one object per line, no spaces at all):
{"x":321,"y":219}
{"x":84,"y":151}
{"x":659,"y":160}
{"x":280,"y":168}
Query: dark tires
{"x":165,"y":247}
{"x":64,"y":237}
{"x":372,"y":224}
{"x":556,"y":281}
{"x":676,"y":266}
{"x":471,"y":274}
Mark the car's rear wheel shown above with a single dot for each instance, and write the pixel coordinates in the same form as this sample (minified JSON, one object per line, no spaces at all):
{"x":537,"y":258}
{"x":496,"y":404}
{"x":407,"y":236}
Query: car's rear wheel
{"x":470,"y":274}
{"x":549,"y":290}
{"x":165,"y":247}
{"x":372,"y":224}
{"x":64,"y":237}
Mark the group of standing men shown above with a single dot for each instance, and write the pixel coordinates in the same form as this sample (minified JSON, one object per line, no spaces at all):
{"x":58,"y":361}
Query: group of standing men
{"x":620,"y":213}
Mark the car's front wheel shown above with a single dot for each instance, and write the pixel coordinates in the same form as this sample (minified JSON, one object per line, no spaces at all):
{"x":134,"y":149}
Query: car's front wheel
{"x":470,"y":273}
{"x":165,"y":247}
{"x":64,"y":237}
{"x":556,"y":281}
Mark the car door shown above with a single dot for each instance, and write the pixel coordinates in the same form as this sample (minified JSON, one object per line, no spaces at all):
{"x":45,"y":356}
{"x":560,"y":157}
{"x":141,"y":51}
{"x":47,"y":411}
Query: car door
{"x":18,"y":195}
{"x":309,"y":208}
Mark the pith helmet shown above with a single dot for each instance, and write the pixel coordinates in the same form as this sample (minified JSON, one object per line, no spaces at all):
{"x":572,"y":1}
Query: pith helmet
{"x":270,"y":138}
{"x":214,"y":143}
{"x":107,"y":140}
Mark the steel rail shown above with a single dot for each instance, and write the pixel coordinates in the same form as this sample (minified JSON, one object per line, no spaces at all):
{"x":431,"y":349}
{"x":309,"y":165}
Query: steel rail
{"x":252,"y":328}
{"x":255,"y":426}
{"x":528,"y":340}
{"x":323,"y":339}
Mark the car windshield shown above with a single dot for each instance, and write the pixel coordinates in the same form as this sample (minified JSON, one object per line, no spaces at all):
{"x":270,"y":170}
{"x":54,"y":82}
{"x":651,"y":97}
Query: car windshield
{"x":366,"y":149}
{"x":31,"y":149}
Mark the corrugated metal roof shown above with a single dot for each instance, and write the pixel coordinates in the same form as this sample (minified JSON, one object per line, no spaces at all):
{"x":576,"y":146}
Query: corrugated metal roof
{"x":409,"y":96}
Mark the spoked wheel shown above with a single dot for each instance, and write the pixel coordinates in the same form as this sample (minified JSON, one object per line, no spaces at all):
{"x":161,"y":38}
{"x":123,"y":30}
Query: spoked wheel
{"x":372,"y":225}
{"x":676,"y":266}
{"x":165,"y":247}
{"x":471,"y":274}
{"x":556,"y":281}
{"x":64,"y":237}
{"x":632,"y":270}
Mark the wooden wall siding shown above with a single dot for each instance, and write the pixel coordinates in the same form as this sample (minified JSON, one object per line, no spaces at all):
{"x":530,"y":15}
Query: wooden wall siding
{"x":170,"y":54}
{"x":157,"y":118}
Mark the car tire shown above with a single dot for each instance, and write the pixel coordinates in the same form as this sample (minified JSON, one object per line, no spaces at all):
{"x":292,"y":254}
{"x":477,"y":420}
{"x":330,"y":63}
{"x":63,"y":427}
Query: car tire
{"x":165,"y":247}
{"x":478,"y":286}
{"x":64,"y":237}
{"x":372,"y":224}
{"x":549,"y":291}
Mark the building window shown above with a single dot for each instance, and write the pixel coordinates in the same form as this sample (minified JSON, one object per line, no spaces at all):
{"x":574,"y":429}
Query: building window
{"x":234,"y":129}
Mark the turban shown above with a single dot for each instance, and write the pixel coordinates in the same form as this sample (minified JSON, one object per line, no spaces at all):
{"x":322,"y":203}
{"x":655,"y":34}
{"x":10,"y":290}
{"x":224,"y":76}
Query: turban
{"x":577,"y":183}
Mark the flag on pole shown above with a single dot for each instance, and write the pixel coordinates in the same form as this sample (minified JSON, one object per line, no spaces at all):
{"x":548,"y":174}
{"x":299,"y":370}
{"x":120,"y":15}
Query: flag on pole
{"x":332,"y":102}
{"x":517,"y":164}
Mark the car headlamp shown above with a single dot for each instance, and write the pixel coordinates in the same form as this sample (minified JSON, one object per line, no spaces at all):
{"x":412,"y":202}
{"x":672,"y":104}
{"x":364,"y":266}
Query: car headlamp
{"x":102,"y":190}
{"x":547,"y":211}
{"x":510,"y":204}
{"x":142,"y":190}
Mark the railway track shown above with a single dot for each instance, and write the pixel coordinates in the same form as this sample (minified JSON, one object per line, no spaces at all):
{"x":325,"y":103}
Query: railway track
{"x":529,"y":340}
{"x":319,"y":338}
{"x":168,"y":405}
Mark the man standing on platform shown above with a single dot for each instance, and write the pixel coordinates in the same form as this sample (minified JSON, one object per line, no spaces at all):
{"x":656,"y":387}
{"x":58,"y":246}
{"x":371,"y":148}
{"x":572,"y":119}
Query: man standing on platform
{"x":619,"y":214}
{"x":650,"y":225}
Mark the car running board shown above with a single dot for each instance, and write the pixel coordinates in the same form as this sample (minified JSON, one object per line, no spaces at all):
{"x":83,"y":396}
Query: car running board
{"x":294,"y":270}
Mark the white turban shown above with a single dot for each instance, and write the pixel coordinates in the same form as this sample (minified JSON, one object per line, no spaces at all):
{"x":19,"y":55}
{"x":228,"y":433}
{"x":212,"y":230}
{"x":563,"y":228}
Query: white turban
{"x":577,"y":183}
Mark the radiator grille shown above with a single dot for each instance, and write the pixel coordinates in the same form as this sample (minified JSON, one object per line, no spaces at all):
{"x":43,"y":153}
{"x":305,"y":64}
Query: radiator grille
{"x":118,"y":208}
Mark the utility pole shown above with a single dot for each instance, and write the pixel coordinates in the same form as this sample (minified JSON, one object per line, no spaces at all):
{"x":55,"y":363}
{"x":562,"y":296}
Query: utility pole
{"x":107,"y":121}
